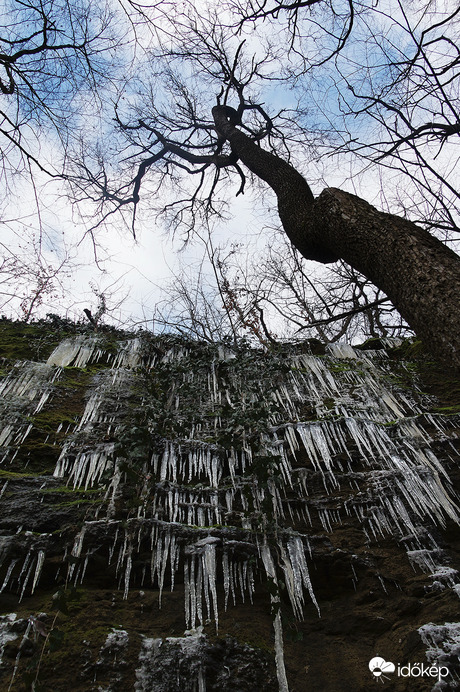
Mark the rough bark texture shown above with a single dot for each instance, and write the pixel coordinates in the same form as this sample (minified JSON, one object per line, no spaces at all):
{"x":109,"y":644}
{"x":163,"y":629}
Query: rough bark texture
{"x":418,"y":273}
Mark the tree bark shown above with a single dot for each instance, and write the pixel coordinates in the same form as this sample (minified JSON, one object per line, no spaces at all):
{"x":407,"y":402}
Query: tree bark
{"x":419,"y":274}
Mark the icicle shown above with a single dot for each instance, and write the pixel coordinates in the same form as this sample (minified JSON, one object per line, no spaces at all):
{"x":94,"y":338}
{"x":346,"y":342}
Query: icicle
{"x":25,"y":565}
{"x":225,"y":569}
{"x":76,"y":551}
{"x":6,"y":635}
{"x":6,"y":434}
{"x":26,"y":580}
{"x":297,"y":575}
{"x":112,"y":548}
{"x":78,"y":352}
{"x":232,"y":582}
{"x":129,"y":354}
{"x":278,"y":628}
{"x":164,"y":560}
{"x":4,"y":487}
{"x":88,"y":467}
{"x":23,"y":641}
{"x":114,"y":647}
{"x":113,"y":488}
{"x":209,"y":570}
{"x":192,"y":591}
{"x":341,"y":350}
{"x":199,"y":591}
{"x":8,"y":574}
{"x":241,"y":580}
{"x":174,"y":555}
{"x":83,"y":571}
{"x":444,"y":576}
{"x":279,"y":654}
{"x":38,"y":569}
{"x":129,"y":564}
{"x":125,"y":549}
{"x":187,"y":594}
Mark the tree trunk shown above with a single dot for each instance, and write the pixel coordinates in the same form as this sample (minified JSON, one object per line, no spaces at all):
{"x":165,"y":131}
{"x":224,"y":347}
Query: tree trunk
{"x":419,"y":274}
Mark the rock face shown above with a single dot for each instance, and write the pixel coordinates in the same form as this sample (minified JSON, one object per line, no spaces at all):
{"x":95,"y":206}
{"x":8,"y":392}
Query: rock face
{"x":185,"y":516}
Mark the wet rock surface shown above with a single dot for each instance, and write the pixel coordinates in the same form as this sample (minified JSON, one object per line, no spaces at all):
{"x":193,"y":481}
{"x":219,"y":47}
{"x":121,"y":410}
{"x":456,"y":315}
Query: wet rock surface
{"x":181,"y":516}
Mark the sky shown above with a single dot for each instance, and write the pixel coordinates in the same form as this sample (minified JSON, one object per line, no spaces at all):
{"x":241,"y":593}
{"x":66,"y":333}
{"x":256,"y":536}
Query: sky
{"x":39,"y":227}
{"x":132,"y":274}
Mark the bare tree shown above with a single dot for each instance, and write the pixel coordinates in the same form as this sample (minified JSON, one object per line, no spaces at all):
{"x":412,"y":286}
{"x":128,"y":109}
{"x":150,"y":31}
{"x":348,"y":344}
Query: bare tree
{"x":57,"y":57}
{"x":201,"y":302}
{"x":190,"y":306}
{"x":291,"y":300}
{"x":390,"y":96}
{"x":414,"y":108}
{"x":30,"y":278}
{"x":193,"y":123}
{"x":53,"y":56}
{"x":174,"y":144}
{"x":416,"y":271}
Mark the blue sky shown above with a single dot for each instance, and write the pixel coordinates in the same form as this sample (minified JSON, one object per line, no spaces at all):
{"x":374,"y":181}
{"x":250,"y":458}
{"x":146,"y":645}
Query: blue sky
{"x":137,"y":271}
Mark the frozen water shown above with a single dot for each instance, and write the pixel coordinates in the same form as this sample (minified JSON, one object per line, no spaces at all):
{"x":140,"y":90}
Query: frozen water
{"x":6,"y":635}
{"x":172,"y":663}
{"x":239,"y":467}
{"x":77,"y":352}
{"x":443,"y":645}
{"x":341,"y":350}
{"x":277,"y":625}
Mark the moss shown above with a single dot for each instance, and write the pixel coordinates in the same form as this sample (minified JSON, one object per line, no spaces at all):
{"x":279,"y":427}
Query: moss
{"x":65,"y":497}
{"x":72,"y":491}
{"x":370,"y":344}
{"x":11,"y":475}
{"x":255,"y":642}
{"x":74,"y":503}
{"x":344,"y":366}
{"x":30,"y":340}
{"x":447,"y":410}
{"x":443,"y":383}
{"x":409,"y":350}
{"x":37,"y":340}
{"x":49,"y":421}
{"x":73,"y":378}
{"x":36,"y":451}
{"x":411,"y":361}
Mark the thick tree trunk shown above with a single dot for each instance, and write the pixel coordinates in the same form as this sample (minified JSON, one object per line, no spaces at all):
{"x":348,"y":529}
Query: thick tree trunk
{"x":419,"y":274}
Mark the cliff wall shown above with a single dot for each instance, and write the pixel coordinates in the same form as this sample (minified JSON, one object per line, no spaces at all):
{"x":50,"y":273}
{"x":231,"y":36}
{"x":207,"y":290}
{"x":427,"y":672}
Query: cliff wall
{"x":185,"y":516}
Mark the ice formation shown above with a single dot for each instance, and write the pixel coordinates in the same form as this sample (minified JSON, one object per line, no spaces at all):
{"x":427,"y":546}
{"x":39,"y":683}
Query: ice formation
{"x":238,"y":455}
{"x":112,"y":658}
{"x":174,"y":662}
{"x":5,"y":631}
{"x":443,"y":648}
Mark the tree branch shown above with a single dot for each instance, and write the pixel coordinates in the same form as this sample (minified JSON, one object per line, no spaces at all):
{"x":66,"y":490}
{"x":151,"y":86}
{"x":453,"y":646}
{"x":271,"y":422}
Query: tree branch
{"x":344,"y":315}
